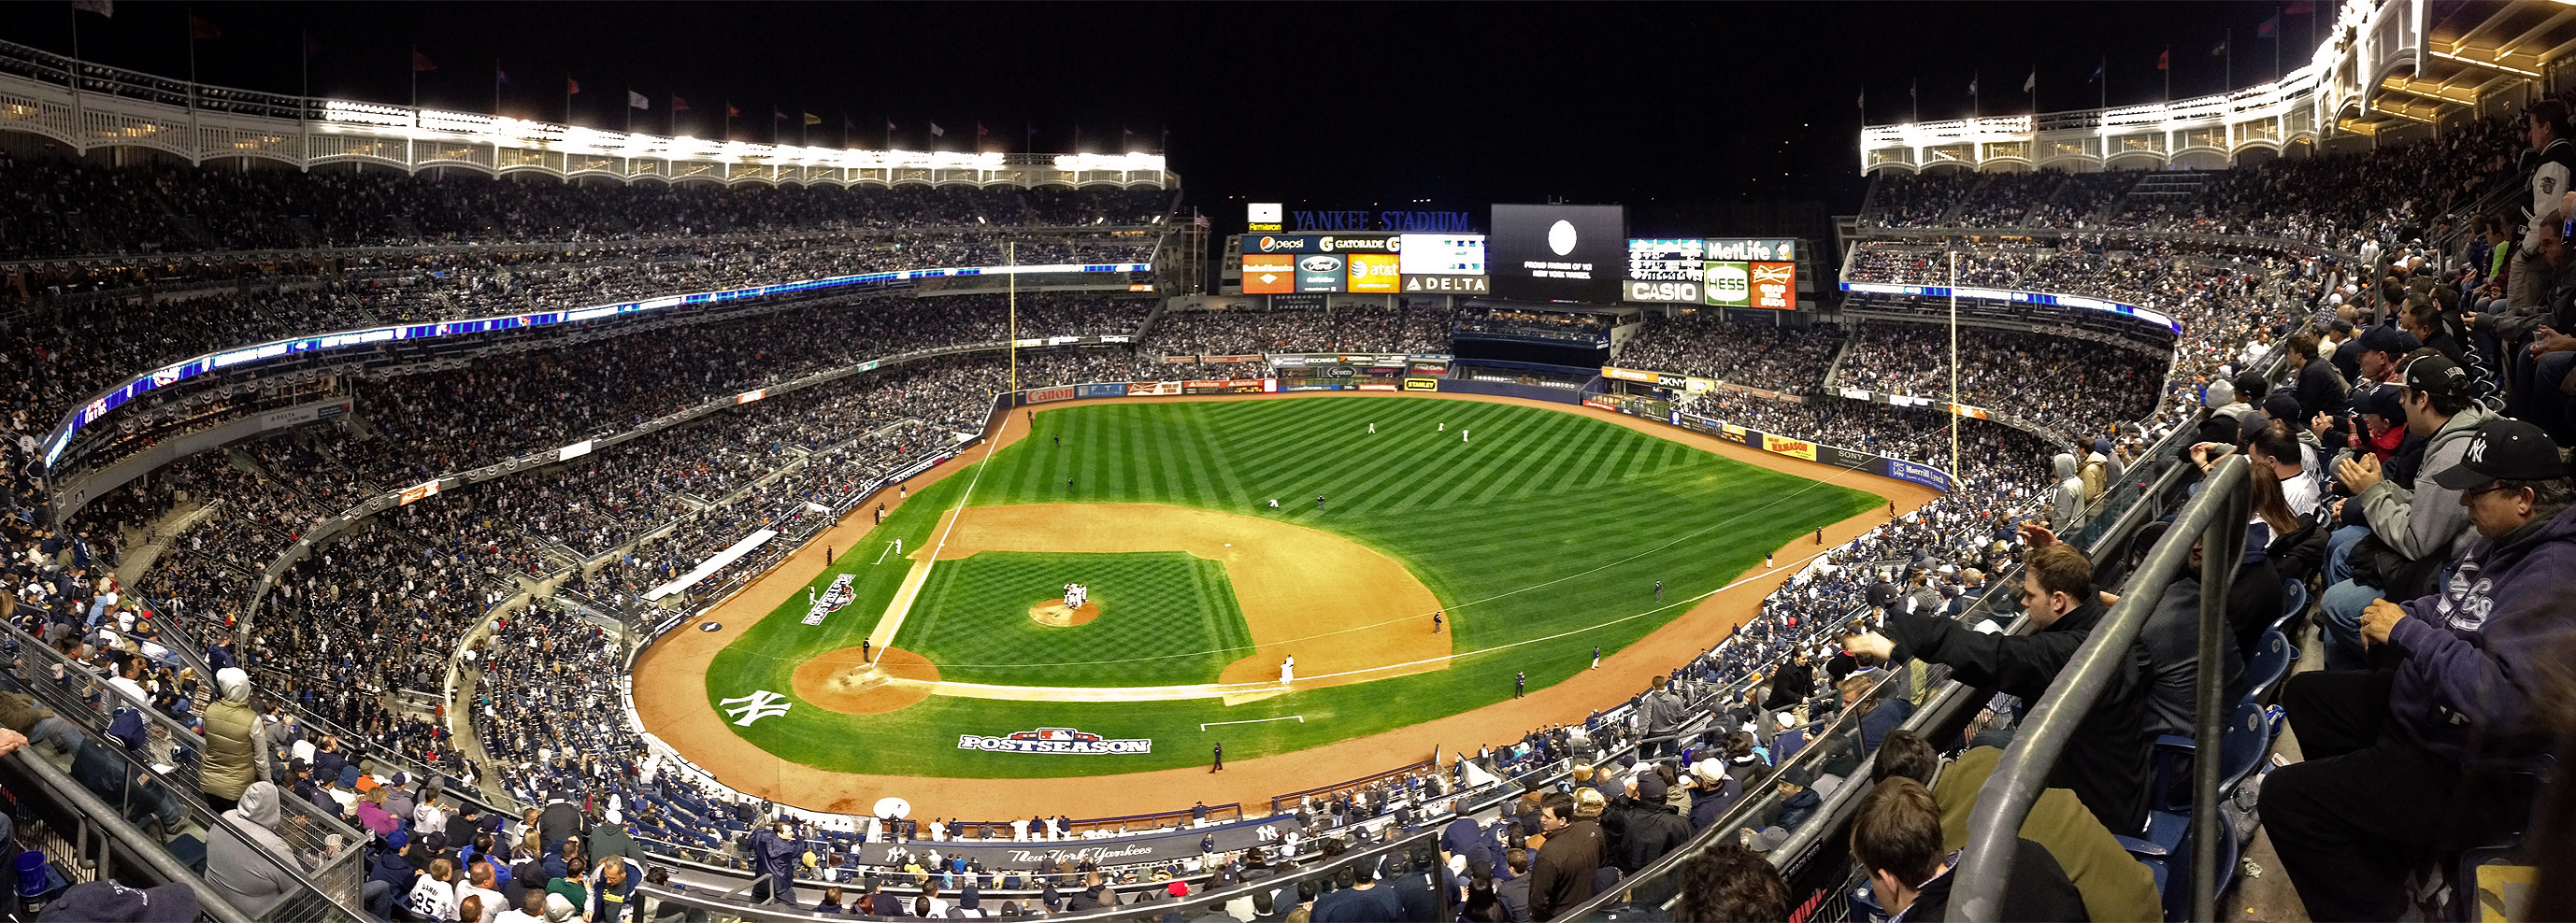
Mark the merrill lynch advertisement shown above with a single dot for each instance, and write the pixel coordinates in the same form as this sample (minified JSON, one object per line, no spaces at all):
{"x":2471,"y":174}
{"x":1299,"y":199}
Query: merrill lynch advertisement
{"x":1003,"y":854}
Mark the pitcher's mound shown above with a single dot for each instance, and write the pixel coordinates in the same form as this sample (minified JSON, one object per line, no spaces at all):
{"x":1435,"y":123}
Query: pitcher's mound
{"x":844,"y":682}
{"x":1054,"y":613}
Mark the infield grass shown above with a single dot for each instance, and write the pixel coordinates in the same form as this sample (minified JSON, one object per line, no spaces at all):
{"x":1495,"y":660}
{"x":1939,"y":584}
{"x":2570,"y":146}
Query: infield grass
{"x":1542,"y":532}
{"x":1167,"y":618}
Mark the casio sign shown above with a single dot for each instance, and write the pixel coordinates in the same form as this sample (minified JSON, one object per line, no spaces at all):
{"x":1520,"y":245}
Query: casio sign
{"x":1321,"y":264}
{"x":1664,"y":291}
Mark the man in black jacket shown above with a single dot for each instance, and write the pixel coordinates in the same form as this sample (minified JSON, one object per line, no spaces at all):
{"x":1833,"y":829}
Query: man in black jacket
{"x":2320,"y":389}
{"x":2105,"y":764}
{"x":1649,"y":828}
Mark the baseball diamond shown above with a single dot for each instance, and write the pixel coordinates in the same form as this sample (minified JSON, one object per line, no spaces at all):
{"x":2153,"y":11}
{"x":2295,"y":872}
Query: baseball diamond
{"x":1540,"y":541}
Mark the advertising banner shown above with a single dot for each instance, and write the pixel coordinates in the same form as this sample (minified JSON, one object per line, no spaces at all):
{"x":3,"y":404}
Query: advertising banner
{"x":1247,"y":357}
{"x":1775,"y":286}
{"x":1202,"y":386}
{"x":1672,"y":292}
{"x":1559,"y":252}
{"x":1447,"y":285}
{"x":750,"y":396}
{"x":411,"y":495}
{"x":1002,"y":853}
{"x":1431,"y":368}
{"x":1321,"y":243}
{"x":1262,"y":216}
{"x":573,"y":451}
{"x":1422,"y":384}
{"x":1627,"y":374}
{"x":1375,"y":273}
{"x":1103,"y":389}
{"x":1043,"y":395}
{"x":1298,"y":302}
{"x":1376,"y":387}
{"x":1180,"y":359}
{"x":1794,"y":448}
{"x":1749,"y":250}
{"x":1845,"y":458}
{"x":1153,"y":388}
{"x":1309,"y":384}
{"x":1321,"y":272}
{"x":1925,"y":475}
{"x":1269,"y":274}
{"x":1730,"y":285}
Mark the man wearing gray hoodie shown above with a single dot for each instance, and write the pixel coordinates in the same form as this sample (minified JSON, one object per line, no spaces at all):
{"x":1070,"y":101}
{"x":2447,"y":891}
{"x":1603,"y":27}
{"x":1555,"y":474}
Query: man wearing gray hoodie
{"x":236,"y":745}
{"x":253,"y":883}
{"x":2066,"y":505}
{"x":2425,"y":526}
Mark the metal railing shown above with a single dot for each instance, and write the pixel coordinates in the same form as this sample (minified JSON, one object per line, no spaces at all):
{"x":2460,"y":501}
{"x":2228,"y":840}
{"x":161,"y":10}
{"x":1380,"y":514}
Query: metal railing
{"x":2216,"y":518}
{"x":1371,"y":855}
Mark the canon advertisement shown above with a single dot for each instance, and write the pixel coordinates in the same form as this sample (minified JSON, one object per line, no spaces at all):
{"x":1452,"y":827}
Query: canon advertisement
{"x":1559,"y":252}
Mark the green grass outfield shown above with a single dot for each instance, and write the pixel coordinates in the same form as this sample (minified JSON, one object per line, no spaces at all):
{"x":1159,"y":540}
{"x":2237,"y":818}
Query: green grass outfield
{"x":1169,"y":616}
{"x":1543,"y":537}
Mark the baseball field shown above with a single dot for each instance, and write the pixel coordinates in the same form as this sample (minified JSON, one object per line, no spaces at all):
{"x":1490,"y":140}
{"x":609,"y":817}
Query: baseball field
{"x":1537,"y":534}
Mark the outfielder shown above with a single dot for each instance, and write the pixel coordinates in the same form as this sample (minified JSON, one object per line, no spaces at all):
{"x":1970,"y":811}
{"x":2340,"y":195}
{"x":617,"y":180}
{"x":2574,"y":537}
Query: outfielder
{"x":1372,"y":428}
{"x":1274,"y":503}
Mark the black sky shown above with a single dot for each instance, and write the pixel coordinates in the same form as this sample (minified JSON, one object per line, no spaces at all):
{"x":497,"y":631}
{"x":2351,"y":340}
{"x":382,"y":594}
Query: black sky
{"x":1350,"y":105}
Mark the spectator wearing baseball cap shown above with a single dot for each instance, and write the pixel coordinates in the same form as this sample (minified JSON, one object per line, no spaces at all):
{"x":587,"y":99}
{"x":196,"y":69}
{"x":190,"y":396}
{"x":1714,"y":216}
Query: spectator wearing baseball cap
{"x":2461,"y":696}
{"x":2412,"y":532}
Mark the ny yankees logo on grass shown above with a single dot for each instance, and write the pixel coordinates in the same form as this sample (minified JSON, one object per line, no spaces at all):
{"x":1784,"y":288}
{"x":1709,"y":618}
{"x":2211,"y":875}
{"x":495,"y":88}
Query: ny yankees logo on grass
{"x":760,"y":704}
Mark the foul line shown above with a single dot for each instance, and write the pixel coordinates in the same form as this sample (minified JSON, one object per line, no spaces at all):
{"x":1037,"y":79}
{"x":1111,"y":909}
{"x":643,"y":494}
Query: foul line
{"x":1301,"y":719}
{"x":892,"y":621}
{"x":881,"y":554}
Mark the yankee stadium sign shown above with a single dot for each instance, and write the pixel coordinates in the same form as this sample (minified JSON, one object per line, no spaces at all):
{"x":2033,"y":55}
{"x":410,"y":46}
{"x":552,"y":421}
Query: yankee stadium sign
{"x":1052,"y":740}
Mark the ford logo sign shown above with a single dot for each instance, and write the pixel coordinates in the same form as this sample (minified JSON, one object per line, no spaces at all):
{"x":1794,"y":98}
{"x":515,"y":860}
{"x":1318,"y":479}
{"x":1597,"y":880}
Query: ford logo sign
{"x":1321,"y":264}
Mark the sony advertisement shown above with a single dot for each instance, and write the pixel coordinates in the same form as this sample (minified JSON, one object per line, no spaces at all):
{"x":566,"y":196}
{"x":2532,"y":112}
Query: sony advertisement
{"x":1559,"y":252}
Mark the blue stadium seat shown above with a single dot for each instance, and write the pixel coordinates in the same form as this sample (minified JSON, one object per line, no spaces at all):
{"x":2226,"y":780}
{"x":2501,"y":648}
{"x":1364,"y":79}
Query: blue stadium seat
{"x":2294,"y":603}
{"x":2242,"y":745}
{"x":2271,"y":662}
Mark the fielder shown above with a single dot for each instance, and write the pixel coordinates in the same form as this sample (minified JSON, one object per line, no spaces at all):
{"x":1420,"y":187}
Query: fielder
{"x":1372,"y":428}
{"x":1462,"y":435}
{"x":1274,"y":503}
{"x":1288,"y":670}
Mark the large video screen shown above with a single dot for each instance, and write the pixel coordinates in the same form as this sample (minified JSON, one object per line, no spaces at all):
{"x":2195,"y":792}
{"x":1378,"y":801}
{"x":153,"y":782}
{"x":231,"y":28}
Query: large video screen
{"x":1443,"y":254}
{"x":1559,"y":252}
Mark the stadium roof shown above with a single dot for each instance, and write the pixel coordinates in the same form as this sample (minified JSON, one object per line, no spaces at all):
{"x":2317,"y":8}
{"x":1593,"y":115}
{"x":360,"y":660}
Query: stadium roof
{"x":2473,"y":51}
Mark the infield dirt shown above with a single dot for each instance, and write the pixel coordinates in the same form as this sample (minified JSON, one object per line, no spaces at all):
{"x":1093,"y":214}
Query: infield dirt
{"x":671,"y":695}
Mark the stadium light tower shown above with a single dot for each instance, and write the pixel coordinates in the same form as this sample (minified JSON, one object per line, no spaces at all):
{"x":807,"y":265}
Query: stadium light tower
{"x":1954,"y":365}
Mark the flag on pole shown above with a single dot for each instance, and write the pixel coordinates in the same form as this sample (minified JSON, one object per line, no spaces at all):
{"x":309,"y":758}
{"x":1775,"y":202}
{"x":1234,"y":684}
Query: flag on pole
{"x":202,"y":31}
{"x":678,"y":104}
{"x":500,"y":77}
{"x":2219,"y":50}
{"x":812,"y":119}
{"x":936,"y":131}
{"x":2164,"y":59}
{"x":635,"y":100}
{"x":981,"y":131}
{"x":2030,"y":84}
{"x":2271,"y":28}
{"x":775,"y":114}
{"x":571,"y":86}
{"x":2300,"y":8}
{"x":2097,"y":72}
{"x":105,"y":8}
{"x":1972,"y":86}
{"x":421,"y":62}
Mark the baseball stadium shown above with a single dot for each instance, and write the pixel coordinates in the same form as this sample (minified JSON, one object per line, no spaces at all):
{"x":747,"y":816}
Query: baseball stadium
{"x":440,"y":496}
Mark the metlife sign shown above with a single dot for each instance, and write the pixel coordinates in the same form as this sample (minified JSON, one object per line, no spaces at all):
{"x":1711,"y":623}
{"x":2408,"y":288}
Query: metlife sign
{"x":1768,"y":250}
{"x":1322,"y":243}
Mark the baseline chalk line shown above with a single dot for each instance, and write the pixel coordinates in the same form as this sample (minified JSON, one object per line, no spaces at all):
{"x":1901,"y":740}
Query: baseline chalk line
{"x":1301,"y":719}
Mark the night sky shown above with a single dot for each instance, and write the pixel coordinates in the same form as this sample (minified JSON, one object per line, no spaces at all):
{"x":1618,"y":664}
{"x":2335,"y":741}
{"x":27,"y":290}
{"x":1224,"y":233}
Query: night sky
{"x":1665,"y":107}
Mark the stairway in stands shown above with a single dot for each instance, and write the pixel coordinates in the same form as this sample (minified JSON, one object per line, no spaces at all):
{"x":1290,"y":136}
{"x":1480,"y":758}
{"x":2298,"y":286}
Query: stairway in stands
{"x":2160,"y":193}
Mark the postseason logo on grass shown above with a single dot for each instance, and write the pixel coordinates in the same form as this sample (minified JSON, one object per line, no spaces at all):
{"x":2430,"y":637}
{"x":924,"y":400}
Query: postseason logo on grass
{"x":833,"y":598}
{"x":1052,"y":740}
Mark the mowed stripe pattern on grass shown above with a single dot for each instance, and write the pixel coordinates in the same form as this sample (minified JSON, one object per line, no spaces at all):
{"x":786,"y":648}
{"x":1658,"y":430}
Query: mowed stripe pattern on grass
{"x":1524,"y":521}
{"x":1167,"y":618}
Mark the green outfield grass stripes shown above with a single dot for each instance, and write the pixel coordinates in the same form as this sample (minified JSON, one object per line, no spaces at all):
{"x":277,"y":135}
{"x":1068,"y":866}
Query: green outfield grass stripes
{"x":1548,"y":523}
{"x":1169,"y":618}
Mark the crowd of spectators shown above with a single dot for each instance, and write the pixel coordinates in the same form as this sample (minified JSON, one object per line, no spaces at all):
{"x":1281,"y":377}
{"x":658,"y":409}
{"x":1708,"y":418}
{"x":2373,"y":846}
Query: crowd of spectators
{"x":2063,"y":383}
{"x":63,"y":209}
{"x":1759,"y":355}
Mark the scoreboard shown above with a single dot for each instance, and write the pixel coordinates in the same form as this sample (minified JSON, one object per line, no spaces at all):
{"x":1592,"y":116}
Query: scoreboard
{"x":1713,"y":272}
